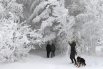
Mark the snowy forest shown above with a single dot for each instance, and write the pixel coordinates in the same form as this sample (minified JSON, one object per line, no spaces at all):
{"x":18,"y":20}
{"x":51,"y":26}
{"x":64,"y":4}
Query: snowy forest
{"x":27,"y":25}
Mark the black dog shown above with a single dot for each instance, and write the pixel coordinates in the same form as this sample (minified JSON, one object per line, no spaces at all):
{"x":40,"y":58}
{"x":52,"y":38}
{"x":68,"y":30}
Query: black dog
{"x":50,"y":49}
{"x":80,"y":61}
{"x":73,"y":52}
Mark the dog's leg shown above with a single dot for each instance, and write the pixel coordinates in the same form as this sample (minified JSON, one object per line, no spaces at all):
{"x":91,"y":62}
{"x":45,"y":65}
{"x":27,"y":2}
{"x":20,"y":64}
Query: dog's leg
{"x":79,"y":64}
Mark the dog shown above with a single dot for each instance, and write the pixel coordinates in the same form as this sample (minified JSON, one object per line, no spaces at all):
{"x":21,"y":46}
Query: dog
{"x":80,"y":61}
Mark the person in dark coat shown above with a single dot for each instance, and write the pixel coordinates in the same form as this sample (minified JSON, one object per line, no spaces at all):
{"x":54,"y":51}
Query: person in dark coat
{"x":73,"y":52}
{"x":50,"y":48}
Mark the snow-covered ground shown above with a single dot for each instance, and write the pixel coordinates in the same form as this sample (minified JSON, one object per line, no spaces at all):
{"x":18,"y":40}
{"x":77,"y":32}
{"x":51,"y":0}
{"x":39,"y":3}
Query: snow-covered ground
{"x":38,"y":60}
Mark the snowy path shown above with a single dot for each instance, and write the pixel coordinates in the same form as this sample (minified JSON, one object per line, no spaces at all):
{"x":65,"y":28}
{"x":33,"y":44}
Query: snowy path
{"x":39,"y":61}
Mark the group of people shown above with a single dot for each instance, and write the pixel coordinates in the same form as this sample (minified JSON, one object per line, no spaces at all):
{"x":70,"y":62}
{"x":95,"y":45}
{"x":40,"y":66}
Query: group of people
{"x":50,"y":48}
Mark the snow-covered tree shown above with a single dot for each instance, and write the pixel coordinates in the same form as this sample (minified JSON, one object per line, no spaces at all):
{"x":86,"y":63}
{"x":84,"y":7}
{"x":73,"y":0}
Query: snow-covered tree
{"x":25,"y":24}
{"x":51,"y":20}
{"x":13,"y":35}
{"x":88,"y":26}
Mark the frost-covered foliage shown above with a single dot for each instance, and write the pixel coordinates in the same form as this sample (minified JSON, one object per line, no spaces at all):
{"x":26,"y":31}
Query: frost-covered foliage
{"x":13,"y":7}
{"x":75,"y":7}
{"x":88,"y":26}
{"x":13,"y":36}
{"x":51,"y":20}
{"x":13,"y":41}
{"x":17,"y":39}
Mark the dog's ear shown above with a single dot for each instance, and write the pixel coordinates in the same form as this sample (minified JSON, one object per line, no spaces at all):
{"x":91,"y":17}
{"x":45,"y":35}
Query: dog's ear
{"x":79,"y":57}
